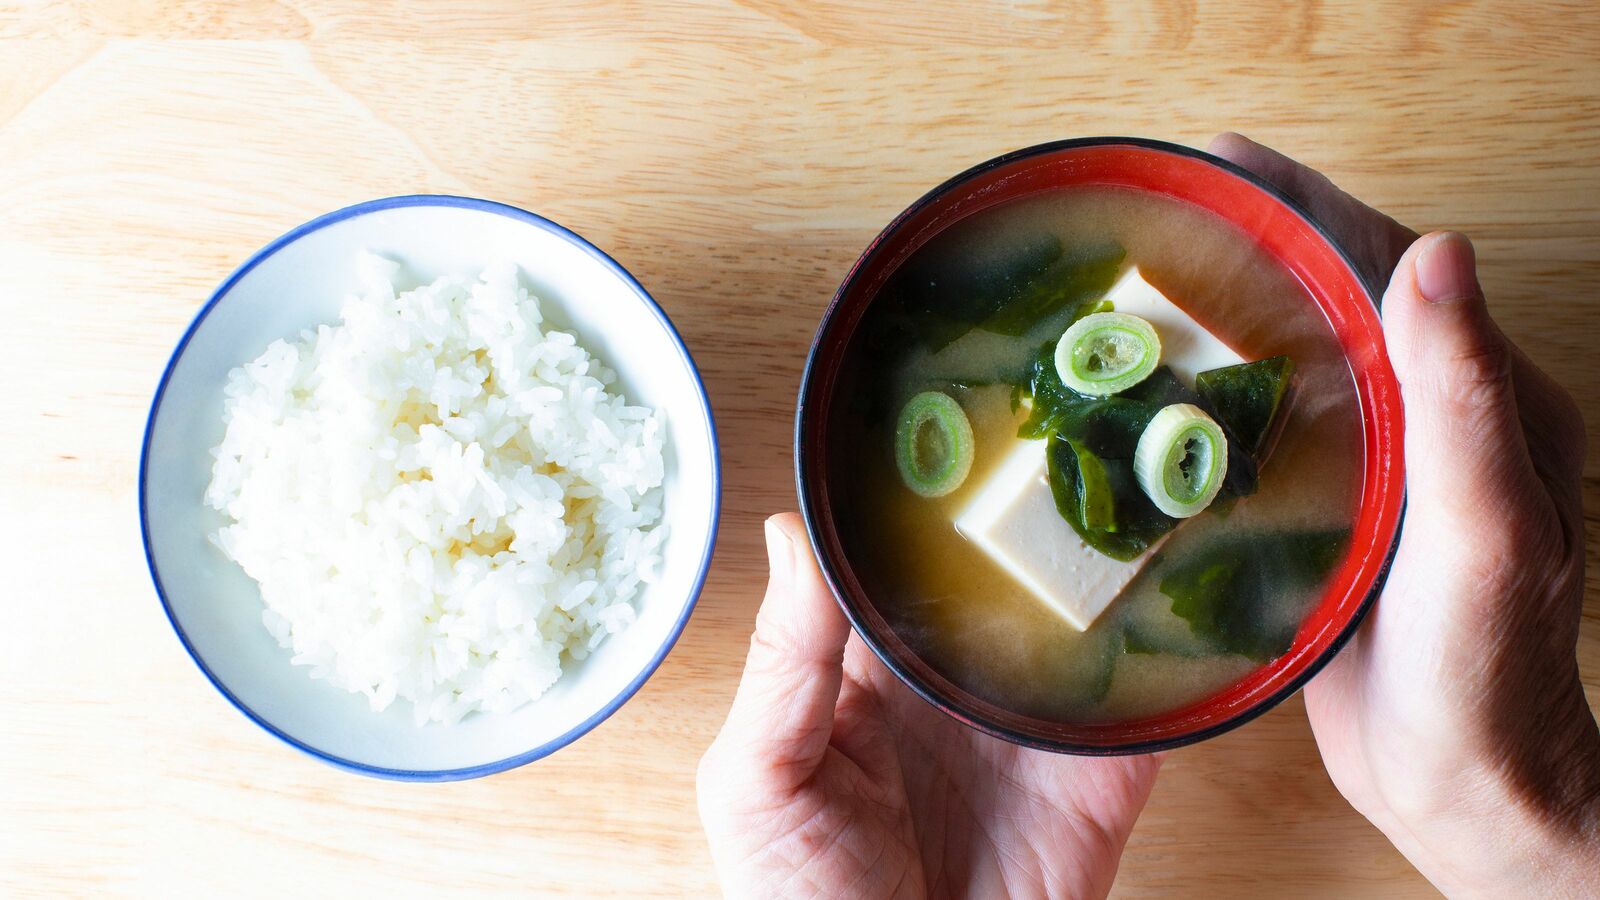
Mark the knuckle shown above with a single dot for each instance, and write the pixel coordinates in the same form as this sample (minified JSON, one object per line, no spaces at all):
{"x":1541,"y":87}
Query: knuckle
{"x":771,"y":646}
{"x":1527,"y":544}
{"x":1482,"y":370}
{"x":1468,"y":383}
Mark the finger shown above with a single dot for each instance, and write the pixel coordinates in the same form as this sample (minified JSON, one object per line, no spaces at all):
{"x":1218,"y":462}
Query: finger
{"x":783,"y":711}
{"x":1463,"y":432}
{"x":1374,"y":240}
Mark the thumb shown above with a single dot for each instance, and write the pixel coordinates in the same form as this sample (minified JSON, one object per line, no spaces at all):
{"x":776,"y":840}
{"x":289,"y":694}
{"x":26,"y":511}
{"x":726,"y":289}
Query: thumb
{"x":1463,"y":438}
{"x":782,"y":714}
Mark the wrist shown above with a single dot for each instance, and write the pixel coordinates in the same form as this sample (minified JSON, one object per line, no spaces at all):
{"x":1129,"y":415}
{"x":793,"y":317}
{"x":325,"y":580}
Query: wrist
{"x":1554,"y":823}
{"x":1532,"y":849}
{"x":1519,"y":820}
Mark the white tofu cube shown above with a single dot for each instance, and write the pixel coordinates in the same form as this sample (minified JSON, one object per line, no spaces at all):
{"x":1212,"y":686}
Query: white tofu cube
{"x":1013,"y":519}
{"x":1012,"y":515}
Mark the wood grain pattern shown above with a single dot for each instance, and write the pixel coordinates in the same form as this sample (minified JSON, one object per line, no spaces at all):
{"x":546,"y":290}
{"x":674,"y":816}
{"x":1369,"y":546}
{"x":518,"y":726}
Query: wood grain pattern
{"x":735,"y":156}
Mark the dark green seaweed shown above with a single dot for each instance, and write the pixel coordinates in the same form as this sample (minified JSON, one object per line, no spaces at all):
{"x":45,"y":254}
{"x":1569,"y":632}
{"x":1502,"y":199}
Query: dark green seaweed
{"x":1080,"y":482}
{"x":1105,"y":424}
{"x":1012,"y":290}
{"x":1097,"y":503}
{"x":1052,"y":401}
{"x":1080,"y":276}
{"x":1134,"y":640}
{"x":1143,"y":641}
{"x":1110,"y":426}
{"x":1161,"y":388}
{"x":1101,"y":686}
{"x":1108,"y":429}
{"x":1048,"y":394}
{"x":944,"y":296}
{"x":1247,"y":397}
{"x":1228,"y":589}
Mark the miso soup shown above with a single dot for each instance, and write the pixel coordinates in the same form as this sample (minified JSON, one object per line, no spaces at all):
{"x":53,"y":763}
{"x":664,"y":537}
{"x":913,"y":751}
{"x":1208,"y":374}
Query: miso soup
{"x":1200,"y":600}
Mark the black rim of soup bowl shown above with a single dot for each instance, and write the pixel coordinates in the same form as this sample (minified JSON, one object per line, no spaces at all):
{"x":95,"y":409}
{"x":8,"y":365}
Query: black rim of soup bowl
{"x":810,"y":513}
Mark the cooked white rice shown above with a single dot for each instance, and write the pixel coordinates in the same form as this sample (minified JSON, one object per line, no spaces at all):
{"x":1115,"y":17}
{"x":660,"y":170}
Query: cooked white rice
{"x":438,"y":496}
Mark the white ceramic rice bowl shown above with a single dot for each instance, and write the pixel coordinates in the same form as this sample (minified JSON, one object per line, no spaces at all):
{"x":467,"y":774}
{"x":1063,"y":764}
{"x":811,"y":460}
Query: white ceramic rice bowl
{"x":298,"y":281}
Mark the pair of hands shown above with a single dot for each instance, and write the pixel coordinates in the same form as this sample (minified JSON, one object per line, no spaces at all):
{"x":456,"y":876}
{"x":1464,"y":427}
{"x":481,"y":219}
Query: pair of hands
{"x":1455,"y":720}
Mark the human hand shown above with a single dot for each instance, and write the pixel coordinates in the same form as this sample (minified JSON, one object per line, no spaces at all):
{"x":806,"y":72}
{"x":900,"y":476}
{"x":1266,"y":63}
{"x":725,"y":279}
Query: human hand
{"x":1455,"y":720}
{"x":832,"y":779}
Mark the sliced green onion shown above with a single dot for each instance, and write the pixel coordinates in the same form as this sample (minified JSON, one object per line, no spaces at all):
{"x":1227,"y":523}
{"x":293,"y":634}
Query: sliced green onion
{"x":1107,"y":352}
{"x":1181,"y":460}
{"x":933,"y":444}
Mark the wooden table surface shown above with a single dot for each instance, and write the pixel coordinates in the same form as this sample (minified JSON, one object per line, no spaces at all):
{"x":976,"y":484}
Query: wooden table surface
{"x":736,"y":156}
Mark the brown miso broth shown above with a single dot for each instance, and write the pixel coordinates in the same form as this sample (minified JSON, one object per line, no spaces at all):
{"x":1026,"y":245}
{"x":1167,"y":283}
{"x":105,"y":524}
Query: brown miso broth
{"x":958,"y":609}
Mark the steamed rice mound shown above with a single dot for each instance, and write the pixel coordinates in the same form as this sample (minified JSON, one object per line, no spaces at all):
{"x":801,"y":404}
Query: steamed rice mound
{"x":438,"y":496}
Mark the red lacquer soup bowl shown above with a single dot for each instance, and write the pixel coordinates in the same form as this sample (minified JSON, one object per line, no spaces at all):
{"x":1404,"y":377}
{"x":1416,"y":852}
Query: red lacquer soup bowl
{"x":1284,"y":231}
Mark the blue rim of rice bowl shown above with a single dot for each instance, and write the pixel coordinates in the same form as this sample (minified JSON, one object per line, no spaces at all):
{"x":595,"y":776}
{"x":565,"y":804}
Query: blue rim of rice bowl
{"x":616,"y":269}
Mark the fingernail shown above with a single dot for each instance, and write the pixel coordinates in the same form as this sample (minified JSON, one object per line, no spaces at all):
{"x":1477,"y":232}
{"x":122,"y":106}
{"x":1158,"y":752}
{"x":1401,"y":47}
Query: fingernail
{"x":1447,"y":269}
{"x":780,"y":552}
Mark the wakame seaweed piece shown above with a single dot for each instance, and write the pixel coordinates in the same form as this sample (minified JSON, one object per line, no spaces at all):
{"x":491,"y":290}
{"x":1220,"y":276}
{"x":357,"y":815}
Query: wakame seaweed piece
{"x":1146,"y":639}
{"x":1243,"y":476}
{"x":1111,"y":648}
{"x":947,"y":295}
{"x":1162,"y":388}
{"x":1097,"y":503}
{"x":886,"y":340}
{"x":1047,"y":394}
{"x":1108,"y":427}
{"x":1135,"y":641}
{"x":1083,"y":274}
{"x":1228,"y":590}
{"x":1247,"y":397}
{"x":1136,"y":523}
{"x":924,"y":328}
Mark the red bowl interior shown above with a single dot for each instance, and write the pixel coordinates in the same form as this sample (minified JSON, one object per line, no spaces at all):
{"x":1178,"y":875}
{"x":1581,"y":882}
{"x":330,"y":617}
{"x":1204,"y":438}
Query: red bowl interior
{"x":1284,"y":231}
